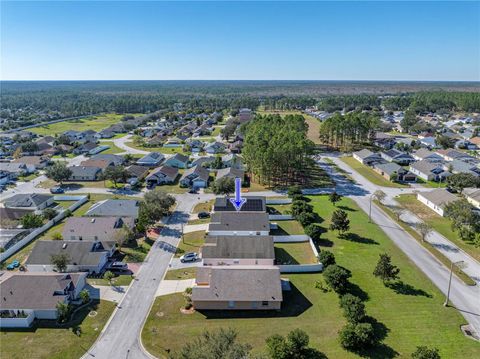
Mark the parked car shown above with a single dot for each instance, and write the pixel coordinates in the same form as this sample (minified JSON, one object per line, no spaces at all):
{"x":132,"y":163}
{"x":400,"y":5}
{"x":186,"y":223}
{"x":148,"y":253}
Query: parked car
{"x":189,"y":257}
{"x":13,"y":265}
{"x":118,"y":266}
{"x":203,"y":215}
{"x":57,"y":190}
{"x":192,"y":191}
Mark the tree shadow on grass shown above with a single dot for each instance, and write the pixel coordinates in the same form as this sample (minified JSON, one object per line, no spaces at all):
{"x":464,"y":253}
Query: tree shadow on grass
{"x":347,"y":209}
{"x":294,"y":303}
{"x":353,"y":237}
{"x":380,"y":350}
{"x":354,"y":289}
{"x":284,"y":257}
{"x":400,"y":287}
{"x":324,"y":242}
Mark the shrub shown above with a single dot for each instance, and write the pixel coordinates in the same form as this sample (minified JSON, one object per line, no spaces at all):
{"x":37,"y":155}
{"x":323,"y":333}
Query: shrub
{"x":337,"y":278}
{"x":357,"y":336}
{"x":294,"y":190}
{"x":306,"y":218}
{"x":353,"y":308}
{"x":299,"y":207}
{"x":424,"y":352}
{"x":313,"y":231}
{"x":57,"y":236}
{"x":327,"y":258}
{"x":49,"y":213}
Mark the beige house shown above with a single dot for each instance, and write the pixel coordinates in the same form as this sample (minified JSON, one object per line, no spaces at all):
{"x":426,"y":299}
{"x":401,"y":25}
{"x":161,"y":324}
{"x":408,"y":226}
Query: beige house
{"x":238,"y":250}
{"x":437,"y":199}
{"x":239,"y":224}
{"x":473,"y":196}
{"x":237,"y":288}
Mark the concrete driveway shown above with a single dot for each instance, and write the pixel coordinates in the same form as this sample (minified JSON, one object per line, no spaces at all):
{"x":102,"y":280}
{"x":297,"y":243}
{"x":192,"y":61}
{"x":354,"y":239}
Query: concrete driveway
{"x":174,"y":286}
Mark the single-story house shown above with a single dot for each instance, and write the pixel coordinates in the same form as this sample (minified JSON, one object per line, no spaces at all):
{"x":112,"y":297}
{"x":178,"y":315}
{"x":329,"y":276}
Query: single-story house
{"x":237,"y":288}
{"x":428,"y":142}
{"x":152,"y":159}
{"x":396,"y":156}
{"x":29,"y":296}
{"x":425,"y":154}
{"x":239,"y":224}
{"x":451,"y":155}
{"x":9,"y":217}
{"x":162,"y":175}
{"x":177,"y":161}
{"x":437,"y":199}
{"x":114,"y":208}
{"x":102,"y":164}
{"x":230,"y":172}
{"x":203,"y":161}
{"x":30,"y":201}
{"x":195,"y":177}
{"x":136,"y":172}
{"x":215,"y":147}
{"x":253,"y":204}
{"x":473,"y":196}
{"x":366,"y":157}
{"x":85,"y":148}
{"x":232,"y":160}
{"x":94,"y":228}
{"x":429,"y":171}
{"x":458,"y":166}
{"x":39,"y":162}
{"x":238,"y":250}
{"x":394,"y":172}
{"x":84,"y":173}
{"x":116,"y":160}
{"x":84,"y":256}
{"x":17,"y":169}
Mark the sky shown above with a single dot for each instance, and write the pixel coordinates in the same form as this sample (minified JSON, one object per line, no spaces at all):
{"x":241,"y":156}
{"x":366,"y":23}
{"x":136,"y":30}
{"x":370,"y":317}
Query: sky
{"x":158,"y":40}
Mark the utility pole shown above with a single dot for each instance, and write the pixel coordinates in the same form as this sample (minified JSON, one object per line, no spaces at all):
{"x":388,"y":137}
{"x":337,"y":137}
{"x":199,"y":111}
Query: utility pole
{"x":183,"y":241}
{"x":450,"y":282}
{"x":370,"y":209}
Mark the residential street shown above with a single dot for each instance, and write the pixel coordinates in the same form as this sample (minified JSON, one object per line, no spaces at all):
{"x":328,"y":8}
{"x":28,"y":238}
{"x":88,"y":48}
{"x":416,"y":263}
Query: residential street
{"x":465,"y":298}
{"x":121,"y":336}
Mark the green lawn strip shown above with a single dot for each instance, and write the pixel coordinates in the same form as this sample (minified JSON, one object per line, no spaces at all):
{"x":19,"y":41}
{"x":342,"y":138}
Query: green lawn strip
{"x":370,"y":174}
{"x":281,"y":208}
{"x":96,"y":123}
{"x":440,"y":224}
{"x":136,"y":251}
{"x":198,"y":221}
{"x":27,"y":178}
{"x":112,"y":150}
{"x":287,"y":227}
{"x":191,"y":242}
{"x":121,"y":280}
{"x":178,"y":274}
{"x":56,"y":342}
{"x":432,"y":184}
{"x":161,"y":149}
{"x":294,"y":253}
{"x":203,"y":206}
{"x":216,"y":131}
{"x":447,"y":262}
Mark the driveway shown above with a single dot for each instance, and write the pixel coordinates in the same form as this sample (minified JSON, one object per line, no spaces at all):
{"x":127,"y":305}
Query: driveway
{"x":106,"y":292}
{"x":176,"y":264}
{"x":174,"y":286}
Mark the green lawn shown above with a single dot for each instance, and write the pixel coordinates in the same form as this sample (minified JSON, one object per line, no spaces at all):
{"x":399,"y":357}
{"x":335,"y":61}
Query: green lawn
{"x":191,"y":243}
{"x":56,"y":342}
{"x":203,"y":206}
{"x":121,"y":280}
{"x":178,"y":274}
{"x":96,"y":123}
{"x":406,"y":316}
{"x":28,"y":178}
{"x":137,"y":251}
{"x":216,"y":131}
{"x":294,"y":253}
{"x":370,"y":174}
{"x":440,"y":224}
{"x":287,"y":227}
{"x":112,"y":150}
{"x":199,"y":221}
{"x":161,"y":149}
{"x":432,"y":184}
{"x":280,"y":208}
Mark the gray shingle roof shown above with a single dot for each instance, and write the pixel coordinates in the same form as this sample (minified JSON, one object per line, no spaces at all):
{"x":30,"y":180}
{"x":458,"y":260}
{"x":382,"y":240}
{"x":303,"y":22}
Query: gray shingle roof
{"x":27,"y":200}
{"x":79,"y":252}
{"x":230,"y":172}
{"x":93,"y":226}
{"x":440,"y":197}
{"x":238,"y":283}
{"x":255,"y":247}
{"x":114,"y":207}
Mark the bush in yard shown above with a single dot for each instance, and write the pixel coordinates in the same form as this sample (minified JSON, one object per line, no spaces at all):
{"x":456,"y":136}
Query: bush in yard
{"x":423,"y":352}
{"x":294,"y":346}
{"x":357,"y":336}
{"x":313,"y":231}
{"x":31,"y":220}
{"x":306,"y":218}
{"x":353,"y":308}
{"x":57,"y":236}
{"x":337,"y":278}
{"x":340,"y":221}
{"x":108,"y":276}
{"x":327,"y":258}
{"x":334,"y":197}
{"x":300,"y":197}
{"x":84,"y":296}
{"x":49,"y":213}
{"x":294,"y":190}
{"x":299,"y":207}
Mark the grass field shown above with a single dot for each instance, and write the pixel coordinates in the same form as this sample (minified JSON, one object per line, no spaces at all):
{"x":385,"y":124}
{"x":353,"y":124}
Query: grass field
{"x":440,"y":224}
{"x":56,"y":342}
{"x":96,"y":123}
{"x":191,"y":243}
{"x":287,"y":227}
{"x":402,"y":315}
{"x":161,"y":149}
{"x":121,"y":280}
{"x":294,"y":253}
{"x":179,"y":274}
{"x":280,"y":208}
{"x":370,"y":174}
{"x":203,"y":206}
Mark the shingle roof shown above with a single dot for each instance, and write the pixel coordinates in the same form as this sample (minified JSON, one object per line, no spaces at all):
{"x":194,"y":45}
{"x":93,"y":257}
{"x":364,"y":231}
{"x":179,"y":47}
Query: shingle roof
{"x":79,"y":252}
{"x":440,"y":197}
{"x":426,"y":166}
{"x":114,"y":207}
{"x":35,"y":290}
{"x":180,"y":157}
{"x":168,"y":171}
{"x":199,"y":171}
{"x":84,"y":171}
{"x":238,"y":283}
{"x":27,"y":200}
{"x":238,"y":247}
{"x":473,"y":193}
{"x":229,"y":172}
{"x":239,"y":221}
{"x":93,"y":226}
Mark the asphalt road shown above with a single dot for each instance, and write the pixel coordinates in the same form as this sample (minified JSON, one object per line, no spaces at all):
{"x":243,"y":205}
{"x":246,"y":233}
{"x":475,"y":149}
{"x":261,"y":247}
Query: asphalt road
{"x":121,"y":336}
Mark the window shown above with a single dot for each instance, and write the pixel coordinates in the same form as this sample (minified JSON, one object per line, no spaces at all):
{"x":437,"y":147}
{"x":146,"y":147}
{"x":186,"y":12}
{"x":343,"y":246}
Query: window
{"x":265,"y":303}
{"x":231,"y":304}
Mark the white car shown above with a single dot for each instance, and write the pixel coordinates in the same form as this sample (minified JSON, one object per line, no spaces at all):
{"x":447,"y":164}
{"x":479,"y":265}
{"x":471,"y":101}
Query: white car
{"x":189,"y":257}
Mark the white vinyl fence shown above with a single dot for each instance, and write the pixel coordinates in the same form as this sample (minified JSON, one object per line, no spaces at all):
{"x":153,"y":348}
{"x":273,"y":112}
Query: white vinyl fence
{"x":35,"y":233}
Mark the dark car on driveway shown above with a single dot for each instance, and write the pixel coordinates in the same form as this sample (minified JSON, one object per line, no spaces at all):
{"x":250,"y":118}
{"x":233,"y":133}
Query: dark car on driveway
{"x":202,"y":215}
{"x":57,"y":190}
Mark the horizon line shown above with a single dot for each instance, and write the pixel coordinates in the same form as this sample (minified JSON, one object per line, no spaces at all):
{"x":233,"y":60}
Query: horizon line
{"x":259,"y":80}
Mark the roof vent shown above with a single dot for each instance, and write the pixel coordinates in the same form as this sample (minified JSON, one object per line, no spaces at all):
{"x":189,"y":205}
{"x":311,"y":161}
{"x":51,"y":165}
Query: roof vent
{"x":93,"y":220}
{"x":64,"y":245}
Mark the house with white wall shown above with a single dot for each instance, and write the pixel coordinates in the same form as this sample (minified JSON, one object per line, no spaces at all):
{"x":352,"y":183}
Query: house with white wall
{"x":437,"y":199}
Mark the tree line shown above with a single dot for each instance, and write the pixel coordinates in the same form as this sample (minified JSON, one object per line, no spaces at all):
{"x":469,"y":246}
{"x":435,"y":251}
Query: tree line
{"x":277,"y":150}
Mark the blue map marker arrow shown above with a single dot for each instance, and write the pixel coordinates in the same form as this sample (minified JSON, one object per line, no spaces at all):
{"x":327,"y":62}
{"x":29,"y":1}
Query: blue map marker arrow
{"x":238,"y":201}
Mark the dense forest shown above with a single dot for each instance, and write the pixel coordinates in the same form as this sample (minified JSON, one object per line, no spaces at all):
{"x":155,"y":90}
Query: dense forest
{"x":276,"y":149}
{"x":26,"y":103}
